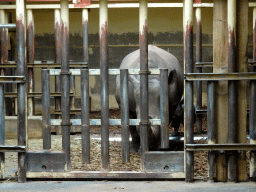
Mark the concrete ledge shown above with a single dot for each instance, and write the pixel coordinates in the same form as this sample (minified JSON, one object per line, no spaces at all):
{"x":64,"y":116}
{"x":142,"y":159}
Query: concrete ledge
{"x":34,"y":127}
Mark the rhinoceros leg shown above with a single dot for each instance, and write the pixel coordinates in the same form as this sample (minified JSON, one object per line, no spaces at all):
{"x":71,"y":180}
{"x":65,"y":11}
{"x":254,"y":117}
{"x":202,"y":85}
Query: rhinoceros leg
{"x":135,"y":144}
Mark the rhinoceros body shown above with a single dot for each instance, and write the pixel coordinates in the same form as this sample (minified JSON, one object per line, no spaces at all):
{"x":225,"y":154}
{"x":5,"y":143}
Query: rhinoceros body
{"x":157,"y":58}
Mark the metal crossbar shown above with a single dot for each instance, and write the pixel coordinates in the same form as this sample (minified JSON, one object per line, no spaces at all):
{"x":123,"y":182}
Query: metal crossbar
{"x":155,"y":71}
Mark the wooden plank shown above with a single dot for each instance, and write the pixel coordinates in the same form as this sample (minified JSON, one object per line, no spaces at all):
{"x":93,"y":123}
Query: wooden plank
{"x":220,"y":61}
{"x":242,"y":39}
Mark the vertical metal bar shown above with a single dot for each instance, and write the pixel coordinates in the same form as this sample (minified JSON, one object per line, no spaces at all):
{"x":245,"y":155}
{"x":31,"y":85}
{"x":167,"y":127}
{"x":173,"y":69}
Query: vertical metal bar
{"x":164,"y":108}
{"x":85,"y":35}
{"x":21,"y":88}
{"x":198,"y":69}
{"x":2,"y":131}
{"x":252,"y":116}
{"x":4,"y":58}
{"x":57,"y":33}
{"x":188,"y":59}
{"x":104,"y":84}
{"x":30,"y":59}
{"x":85,"y":111}
{"x":65,"y":82}
{"x":144,"y":123}
{"x":4,"y":42}
{"x":72,"y":100}
{"x":46,"y":111}
{"x":232,"y":91}
{"x":211,"y":127}
{"x":124,"y":115}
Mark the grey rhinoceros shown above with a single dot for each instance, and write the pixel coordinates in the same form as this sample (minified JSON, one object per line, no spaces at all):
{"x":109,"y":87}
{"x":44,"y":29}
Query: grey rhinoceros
{"x":157,"y":58}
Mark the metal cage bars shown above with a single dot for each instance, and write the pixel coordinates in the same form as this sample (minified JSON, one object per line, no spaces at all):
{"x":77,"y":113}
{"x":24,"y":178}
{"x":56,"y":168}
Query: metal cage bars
{"x":85,"y":122}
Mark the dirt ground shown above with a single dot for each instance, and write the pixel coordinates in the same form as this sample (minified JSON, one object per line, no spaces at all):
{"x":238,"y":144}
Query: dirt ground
{"x":116,"y":163}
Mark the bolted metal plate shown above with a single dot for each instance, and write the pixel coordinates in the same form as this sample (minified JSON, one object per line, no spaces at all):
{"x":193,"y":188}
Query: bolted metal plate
{"x":46,"y":161}
{"x":164,"y":161}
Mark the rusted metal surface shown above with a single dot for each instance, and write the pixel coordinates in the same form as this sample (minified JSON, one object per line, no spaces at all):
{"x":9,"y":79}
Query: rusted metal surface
{"x":46,"y":111}
{"x":45,"y":161}
{"x":164,"y":108}
{"x":58,"y":42}
{"x":72,"y":101}
{"x":2,"y":131}
{"x":124,"y":91}
{"x":21,"y":88}
{"x":232,"y":90}
{"x":85,"y":35}
{"x":211,"y":126}
{"x":65,"y":83}
{"x":164,"y":161}
{"x":4,"y":57}
{"x":143,"y":35}
{"x":198,"y":70}
{"x":188,"y":65}
{"x":30,"y":59}
{"x":104,"y":83}
{"x":85,"y":115}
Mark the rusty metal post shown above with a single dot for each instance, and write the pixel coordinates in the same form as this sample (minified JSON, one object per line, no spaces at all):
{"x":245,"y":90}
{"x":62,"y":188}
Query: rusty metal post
{"x":65,"y":82}
{"x":144,"y":123}
{"x":211,"y":127}
{"x":104,"y":84}
{"x":124,"y":115}
{"x":189,"y":100}
{"x":58,"y":42}
{"x":232,"y":90}
{"x":198,"y":69}
{"x":57,"y":33}
{"x":46,"y":109}
{"x":72,"y":101}
{"x":21,"y":88}
{"x":164,"y":108}
{"x":85,"y":36}
{"x":2,"y":131}
{"x":252,"y":116}
{"x":85,"y":111}
{"x":30,"y":59}
{"x":4,"y":41}
{"x":4,"y":57}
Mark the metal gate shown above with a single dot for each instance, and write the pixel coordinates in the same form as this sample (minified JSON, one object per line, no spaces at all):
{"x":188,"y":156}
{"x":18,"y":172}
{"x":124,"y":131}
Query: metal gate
{"x":48,"y":164}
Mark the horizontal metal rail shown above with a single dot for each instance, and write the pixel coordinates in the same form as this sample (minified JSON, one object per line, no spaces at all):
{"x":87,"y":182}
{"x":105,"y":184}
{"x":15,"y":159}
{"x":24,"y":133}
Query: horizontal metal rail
{"x":48,"y":64}
{"x":72,"y":111}
{"x":155,"y":71}
{"x":34,"y":94}
{"x":107,"y":175}
{"x":4,"y":148}
{"x":8,"y":26}
{"x":219,"y":76}
{"x":12,"y":79}
{"x":110,"y":5}
{"x":111,"y":121}
{"x":220,"y":147}
{"x":204,"y":64}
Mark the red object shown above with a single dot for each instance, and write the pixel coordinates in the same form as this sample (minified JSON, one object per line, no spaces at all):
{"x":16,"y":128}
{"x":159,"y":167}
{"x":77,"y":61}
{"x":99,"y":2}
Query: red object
{"x":197,"y":1}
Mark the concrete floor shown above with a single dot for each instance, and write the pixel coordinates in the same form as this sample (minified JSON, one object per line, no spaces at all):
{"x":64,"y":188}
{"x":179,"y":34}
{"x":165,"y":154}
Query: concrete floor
{"x":125,"y":186}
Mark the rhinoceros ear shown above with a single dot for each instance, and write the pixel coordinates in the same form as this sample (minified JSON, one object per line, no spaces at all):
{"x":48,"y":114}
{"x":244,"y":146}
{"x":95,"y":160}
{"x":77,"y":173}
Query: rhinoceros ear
{"x":172,"y":77}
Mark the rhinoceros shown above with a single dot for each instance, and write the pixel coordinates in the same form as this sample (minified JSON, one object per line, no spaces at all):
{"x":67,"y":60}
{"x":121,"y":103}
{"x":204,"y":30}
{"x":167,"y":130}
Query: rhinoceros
{"x":157,"y":58}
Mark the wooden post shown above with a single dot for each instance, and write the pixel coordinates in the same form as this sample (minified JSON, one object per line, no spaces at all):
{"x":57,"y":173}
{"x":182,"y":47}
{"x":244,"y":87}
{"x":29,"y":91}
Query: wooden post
{"x":220,"y":61}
